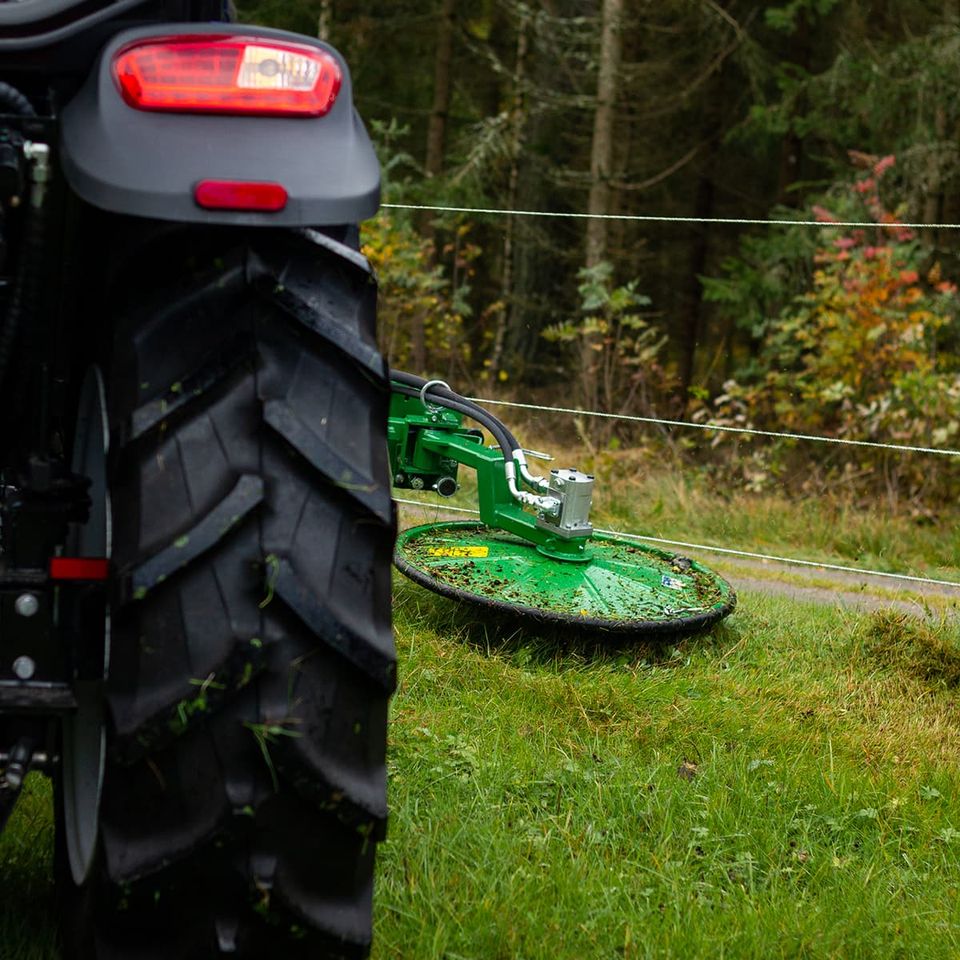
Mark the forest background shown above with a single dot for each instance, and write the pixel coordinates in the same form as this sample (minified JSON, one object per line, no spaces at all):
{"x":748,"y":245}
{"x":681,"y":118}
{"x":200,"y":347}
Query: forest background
{"x":815,"y":110}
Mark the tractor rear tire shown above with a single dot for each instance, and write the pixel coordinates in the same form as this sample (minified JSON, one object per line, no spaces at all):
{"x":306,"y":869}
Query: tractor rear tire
{"x":252,"y":654}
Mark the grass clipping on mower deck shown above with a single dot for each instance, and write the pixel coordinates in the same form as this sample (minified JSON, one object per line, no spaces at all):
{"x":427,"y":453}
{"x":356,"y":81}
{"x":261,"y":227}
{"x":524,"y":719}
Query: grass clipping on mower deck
{"x":624,"y":586}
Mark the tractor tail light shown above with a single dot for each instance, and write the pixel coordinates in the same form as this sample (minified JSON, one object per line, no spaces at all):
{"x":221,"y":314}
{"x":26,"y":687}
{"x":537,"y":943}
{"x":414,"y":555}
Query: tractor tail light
{"x":227,"y":74}
{"x":79,"y":568}
{"x":240,"y":195}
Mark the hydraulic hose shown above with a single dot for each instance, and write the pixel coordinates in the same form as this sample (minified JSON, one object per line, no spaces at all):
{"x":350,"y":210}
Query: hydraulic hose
{"x":13,"y":101}
{"x":461,"y":406}
{"x":441,"y":390}
{"x":411,"y":385}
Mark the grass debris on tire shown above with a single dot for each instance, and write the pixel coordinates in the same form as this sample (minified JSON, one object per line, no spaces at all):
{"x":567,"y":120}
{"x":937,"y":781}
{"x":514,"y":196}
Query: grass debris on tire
{"x":252,"y":652}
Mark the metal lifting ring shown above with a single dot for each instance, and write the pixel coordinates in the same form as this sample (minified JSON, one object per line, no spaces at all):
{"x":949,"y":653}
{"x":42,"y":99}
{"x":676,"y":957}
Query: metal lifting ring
{"x":426,"y":387}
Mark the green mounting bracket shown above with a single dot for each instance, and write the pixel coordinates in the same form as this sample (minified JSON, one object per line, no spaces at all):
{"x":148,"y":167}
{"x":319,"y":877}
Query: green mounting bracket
{"x":427,"y":444}
{"x":507,"y":562}
{"x":413,"y":465}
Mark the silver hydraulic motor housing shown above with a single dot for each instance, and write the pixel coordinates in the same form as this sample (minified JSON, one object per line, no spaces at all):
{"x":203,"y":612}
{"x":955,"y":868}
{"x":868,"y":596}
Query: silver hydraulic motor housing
{"x":574,"y":491}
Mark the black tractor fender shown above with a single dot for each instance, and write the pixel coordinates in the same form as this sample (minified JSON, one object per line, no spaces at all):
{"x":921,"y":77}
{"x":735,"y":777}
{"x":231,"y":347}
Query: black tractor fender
{"x":148,"y":164}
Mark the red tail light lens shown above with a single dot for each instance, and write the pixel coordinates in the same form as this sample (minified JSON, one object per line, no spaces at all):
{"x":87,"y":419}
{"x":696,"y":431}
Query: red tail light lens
{"x":238,"y":195}
{"x":227,"y":74}
{"x":79,"y":568}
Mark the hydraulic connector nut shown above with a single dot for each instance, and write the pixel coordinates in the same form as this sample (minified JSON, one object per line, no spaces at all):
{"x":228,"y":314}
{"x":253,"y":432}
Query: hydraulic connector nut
{"x":38,"y":157}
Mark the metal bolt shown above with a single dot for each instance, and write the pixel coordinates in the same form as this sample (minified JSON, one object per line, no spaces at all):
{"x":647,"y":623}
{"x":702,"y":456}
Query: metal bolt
{"x":24,"y":667}
{"x":417,"y":483}
{"x":26,"y":605}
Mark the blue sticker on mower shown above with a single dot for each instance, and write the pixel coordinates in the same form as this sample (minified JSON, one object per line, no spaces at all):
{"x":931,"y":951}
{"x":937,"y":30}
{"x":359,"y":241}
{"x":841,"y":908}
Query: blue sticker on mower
{"x":672,"y":582}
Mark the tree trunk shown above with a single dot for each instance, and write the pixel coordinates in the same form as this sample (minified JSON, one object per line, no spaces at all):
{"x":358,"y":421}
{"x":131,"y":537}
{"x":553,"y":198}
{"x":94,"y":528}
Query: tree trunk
{"x":601,"y":159}
{"x":712,"y":125}
{"x":437,"y":130}
{"x":433,"y":164}
{"x":601,"y":150}
{"x":933,"y":204}
{"x":933,"y":199}
{"x":703,"y":208}
{"x":517,"y":126}
{"x":791,"y":147}
{"x":325,"y":20}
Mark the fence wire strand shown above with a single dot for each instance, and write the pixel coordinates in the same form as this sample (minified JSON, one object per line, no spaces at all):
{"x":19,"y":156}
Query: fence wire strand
{"x":708,"y":548}
{"x":902,"y":447}
{"x":650,"y":218}
{"x":720,"y":428}
{"x":689,"y":424}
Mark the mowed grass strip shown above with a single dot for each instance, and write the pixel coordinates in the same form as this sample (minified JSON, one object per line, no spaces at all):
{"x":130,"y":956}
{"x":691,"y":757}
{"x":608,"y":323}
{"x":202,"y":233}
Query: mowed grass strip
{"x":690,"y":505}
{"x":785,"y":786}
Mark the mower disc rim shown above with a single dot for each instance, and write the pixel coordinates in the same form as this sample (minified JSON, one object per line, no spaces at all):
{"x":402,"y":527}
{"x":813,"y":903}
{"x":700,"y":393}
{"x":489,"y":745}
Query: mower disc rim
{"x":674,"y":627}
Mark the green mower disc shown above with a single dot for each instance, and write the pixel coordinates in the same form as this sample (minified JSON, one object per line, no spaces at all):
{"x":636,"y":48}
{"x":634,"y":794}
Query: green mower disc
{"x":625,"y":588}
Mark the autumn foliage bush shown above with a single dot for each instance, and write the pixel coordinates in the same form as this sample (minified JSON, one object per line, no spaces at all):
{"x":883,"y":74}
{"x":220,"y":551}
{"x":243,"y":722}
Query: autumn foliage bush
{"x":424,"y":282}
{"x":423,"y":297}
{"x":867,"y":350}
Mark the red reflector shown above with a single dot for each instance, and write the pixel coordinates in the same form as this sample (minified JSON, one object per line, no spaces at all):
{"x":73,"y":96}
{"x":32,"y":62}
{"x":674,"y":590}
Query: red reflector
{"x":237,"y":195}
{"x":79,"y":568}
{"x":227,"y":74}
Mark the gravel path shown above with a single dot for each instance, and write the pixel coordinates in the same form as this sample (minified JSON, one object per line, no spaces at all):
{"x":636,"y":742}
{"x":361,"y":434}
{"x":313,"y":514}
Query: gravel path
{"x":847,"y":589}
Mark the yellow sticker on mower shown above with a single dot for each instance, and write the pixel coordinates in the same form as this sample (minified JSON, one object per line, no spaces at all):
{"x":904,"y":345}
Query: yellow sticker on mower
{"x":459,"y":551}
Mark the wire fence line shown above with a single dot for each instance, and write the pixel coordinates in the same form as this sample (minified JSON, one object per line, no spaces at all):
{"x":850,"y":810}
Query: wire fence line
{"x":689,"y":424}
{"x":709,"y":548}
{"x":650,"y":218}
{"x":902,"y":447}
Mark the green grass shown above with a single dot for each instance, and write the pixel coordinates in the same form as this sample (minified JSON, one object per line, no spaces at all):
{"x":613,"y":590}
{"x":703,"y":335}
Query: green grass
{"x":643,"y":495}
{"x":28,"y":919}
{"x":786,"y":786}
{"x":685,"y":506}
{"x":783,"y":787}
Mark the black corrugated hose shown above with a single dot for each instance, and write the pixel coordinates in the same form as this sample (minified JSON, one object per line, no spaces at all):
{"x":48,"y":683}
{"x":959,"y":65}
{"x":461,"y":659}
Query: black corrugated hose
{"x":24,"y":286}
{"x":410,"y":385}
{"x":13,"y":101}
{"x":31,"y":248}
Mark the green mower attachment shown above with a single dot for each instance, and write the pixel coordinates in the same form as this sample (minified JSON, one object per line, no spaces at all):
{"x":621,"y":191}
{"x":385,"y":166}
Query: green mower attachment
{"x":534,"y":554}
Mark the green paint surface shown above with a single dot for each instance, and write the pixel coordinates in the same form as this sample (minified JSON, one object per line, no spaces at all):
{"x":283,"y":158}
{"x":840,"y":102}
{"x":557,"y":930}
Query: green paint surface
{"x":624,"y":582}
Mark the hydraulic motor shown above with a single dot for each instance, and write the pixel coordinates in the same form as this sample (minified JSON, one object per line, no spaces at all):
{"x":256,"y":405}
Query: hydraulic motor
{"x":574,"y":490}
